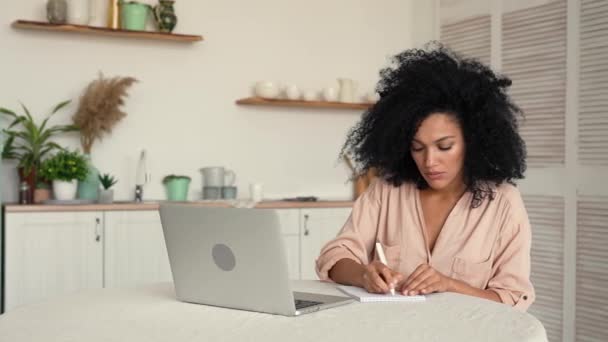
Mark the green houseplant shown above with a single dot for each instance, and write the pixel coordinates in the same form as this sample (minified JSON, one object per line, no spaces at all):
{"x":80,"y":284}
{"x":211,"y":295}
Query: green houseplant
{"x":106,"y":195}
{"x":28,"y":143}
{"x":65,"y":169}
{"x":176,"y":187}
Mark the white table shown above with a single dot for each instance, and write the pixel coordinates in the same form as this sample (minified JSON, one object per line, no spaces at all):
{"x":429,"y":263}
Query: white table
{"x":153,"y":314}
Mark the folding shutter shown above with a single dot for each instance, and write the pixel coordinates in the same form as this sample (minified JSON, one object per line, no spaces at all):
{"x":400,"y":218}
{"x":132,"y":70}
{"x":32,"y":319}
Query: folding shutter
{"x":593,"y":90}
{"x":470,"y":37}
{"x":592,"y":269}
{"x":534,"y":56}
{"x":546,"y":215}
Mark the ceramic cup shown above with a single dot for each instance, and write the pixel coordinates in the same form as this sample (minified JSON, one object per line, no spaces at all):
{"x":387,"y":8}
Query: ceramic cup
{"x":256,"y":191}
{"x":229,"y":192}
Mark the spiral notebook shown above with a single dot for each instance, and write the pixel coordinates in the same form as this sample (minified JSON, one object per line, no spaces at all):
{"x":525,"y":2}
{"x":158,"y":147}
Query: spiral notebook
{"x":365,"y":297}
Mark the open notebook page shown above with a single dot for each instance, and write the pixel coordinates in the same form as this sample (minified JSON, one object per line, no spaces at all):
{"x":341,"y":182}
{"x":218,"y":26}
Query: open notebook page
{"x":363,"y":296}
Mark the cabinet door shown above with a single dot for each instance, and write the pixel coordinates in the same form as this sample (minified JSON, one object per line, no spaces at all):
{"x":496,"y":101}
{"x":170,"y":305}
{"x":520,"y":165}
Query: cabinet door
{"x":289,"y":219}
{"x":49,"y":254}
{"x":318,"y":227}
{"x":135,"y":250}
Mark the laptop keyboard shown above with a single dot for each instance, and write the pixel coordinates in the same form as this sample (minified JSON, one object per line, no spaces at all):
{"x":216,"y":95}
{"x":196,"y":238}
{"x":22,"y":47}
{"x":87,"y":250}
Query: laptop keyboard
{"x":301,"y":304}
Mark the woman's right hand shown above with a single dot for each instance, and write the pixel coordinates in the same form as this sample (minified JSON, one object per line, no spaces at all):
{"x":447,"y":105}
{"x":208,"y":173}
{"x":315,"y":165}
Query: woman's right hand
{"x":379,"y":278}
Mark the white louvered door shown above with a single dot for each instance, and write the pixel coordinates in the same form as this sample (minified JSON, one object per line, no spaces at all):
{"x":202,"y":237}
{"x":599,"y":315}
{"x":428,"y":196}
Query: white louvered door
{"x":592,"y":269}
{"x":534,"y":57}
{"x":546,"y":215}
{"x":470,"y":37}
{"x":592,"y":210}
{"x":556,"y":53}
{"x":593,"y":91}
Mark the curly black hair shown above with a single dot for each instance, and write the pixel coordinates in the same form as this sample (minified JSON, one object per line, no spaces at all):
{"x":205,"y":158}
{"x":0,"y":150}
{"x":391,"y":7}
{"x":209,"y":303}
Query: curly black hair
{"x":436,"y":79}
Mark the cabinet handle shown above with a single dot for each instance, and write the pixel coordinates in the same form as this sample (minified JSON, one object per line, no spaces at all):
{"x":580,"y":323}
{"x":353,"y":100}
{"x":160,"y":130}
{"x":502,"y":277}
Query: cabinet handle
{"x":97,"y":233}
{"x":306,"y":231}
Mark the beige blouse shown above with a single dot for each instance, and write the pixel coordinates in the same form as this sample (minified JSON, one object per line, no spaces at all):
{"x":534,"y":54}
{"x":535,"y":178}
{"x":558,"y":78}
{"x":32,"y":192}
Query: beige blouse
{"x":487,"y":247}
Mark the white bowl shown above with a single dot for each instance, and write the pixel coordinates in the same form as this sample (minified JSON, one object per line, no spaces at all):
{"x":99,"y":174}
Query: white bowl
{"x":330,"y":94}
{"x":292,"y":92}
{"x":266,"y":89}
{"x":310,"y":95}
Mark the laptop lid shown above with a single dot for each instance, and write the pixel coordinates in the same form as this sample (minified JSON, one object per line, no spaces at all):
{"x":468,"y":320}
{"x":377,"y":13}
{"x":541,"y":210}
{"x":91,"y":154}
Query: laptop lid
{"x":227,"y":257}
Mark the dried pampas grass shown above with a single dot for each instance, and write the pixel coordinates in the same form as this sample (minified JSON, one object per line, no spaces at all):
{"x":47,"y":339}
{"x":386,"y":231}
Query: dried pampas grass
{"x":99,"y":108}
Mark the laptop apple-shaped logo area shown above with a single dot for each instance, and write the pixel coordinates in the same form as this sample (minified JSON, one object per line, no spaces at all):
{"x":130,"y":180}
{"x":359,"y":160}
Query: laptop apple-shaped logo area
{"x":223,"y":257}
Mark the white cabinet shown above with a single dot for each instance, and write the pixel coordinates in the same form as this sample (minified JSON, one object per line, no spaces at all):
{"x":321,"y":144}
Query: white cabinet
{"x":48,"y":254}
{"x":319,"y":225}
{"x":135,"y":251}
{"x":289,"y":219}
{"x":54,"y":253}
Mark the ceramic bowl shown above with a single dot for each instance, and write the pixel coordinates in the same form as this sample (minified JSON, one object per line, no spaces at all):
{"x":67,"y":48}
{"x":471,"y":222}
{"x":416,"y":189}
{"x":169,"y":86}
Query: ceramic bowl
{"x":266,"y":89}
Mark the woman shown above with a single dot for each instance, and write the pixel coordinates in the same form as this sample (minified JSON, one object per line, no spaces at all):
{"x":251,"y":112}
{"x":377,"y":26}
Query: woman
{"x":443,"y":141}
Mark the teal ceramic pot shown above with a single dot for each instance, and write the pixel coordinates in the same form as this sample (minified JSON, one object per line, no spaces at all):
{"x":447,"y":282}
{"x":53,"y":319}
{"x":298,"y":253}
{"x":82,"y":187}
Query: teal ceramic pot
{"x":177,"y":189}
{"x":133,"y":15}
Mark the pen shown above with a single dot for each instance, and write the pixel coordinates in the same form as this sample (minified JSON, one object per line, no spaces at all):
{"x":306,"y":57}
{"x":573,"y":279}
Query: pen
{"x":382,"y":257}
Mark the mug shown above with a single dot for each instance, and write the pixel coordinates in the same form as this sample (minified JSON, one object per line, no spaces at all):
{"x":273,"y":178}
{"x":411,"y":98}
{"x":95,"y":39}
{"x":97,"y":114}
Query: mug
{"x":229,"y":192}
{"x":256,"y":192}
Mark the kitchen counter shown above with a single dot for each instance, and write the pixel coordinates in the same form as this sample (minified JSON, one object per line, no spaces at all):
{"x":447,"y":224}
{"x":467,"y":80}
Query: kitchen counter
{"x":154,"y":205}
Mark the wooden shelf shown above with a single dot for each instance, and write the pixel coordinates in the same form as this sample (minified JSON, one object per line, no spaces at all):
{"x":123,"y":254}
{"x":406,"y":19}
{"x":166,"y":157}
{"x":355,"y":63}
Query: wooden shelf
{"x":104,"y":31}
{"x":258,"y":101}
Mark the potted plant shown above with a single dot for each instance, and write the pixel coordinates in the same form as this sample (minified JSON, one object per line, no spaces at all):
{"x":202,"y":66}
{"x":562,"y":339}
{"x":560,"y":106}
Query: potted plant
{"x":106,"y":195}
{"x":28,"y":143}
{"x":42,"y":192}
{"x":65,"y":169}
{"x":176,"y":187}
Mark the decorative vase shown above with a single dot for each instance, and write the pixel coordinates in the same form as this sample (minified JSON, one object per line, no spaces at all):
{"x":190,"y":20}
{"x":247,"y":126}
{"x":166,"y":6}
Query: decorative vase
{"x":30,"y":179}
{"x":79,"y":12}
{"x":177,"y":189}
{"x":106,"y":196}
{"x":164,"y":14}
{"x":57,"y":11}
{"x":89,"y":188}
{"x":65,"y":191}
{"x":133,"y":16}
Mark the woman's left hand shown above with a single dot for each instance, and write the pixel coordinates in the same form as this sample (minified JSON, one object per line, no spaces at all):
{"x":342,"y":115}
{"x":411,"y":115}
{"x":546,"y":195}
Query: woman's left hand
{"x":425,"y":280}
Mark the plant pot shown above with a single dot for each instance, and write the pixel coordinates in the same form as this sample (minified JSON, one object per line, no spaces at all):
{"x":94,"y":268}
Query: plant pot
{"x":177,"y":189}
{"x":106,"y":196}
{"x":65,"y":191}
{"x":41,"y":195}
{"x":133,"y":16}
{"x":89,"y":188}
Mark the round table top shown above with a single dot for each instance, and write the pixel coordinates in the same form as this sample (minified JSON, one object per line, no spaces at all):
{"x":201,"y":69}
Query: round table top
{"x":152,"y":313}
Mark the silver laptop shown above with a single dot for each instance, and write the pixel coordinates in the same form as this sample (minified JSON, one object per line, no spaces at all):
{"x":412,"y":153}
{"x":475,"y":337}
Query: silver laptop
{"x":233,"y":258}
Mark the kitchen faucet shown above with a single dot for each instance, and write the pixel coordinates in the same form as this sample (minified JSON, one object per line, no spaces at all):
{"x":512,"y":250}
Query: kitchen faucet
{"x":141,"y":177}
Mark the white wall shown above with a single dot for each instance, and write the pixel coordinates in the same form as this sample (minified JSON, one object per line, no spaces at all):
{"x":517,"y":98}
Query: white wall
{"x":183,"y":110}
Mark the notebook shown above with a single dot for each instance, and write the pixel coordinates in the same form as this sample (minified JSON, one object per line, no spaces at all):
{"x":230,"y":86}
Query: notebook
{"x":365,"y":297}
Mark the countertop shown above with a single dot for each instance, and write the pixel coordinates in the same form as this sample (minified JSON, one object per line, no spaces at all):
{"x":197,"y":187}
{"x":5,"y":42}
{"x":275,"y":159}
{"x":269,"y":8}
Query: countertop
{"x":154,"y":205}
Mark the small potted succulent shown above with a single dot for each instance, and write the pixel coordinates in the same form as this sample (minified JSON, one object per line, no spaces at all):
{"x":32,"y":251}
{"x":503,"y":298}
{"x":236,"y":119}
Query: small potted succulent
{"x":106,"y":195}
{"x":64,"y":170}
{"x":176,"y":187}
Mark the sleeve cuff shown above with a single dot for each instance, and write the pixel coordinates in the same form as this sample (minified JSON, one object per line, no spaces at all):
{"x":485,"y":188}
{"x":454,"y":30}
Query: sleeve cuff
{"x":519,"y":301}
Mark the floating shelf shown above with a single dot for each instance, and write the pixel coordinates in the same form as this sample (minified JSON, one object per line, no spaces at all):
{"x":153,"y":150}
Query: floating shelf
{"x":104,"y":31}
{"x":258,"y":101}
